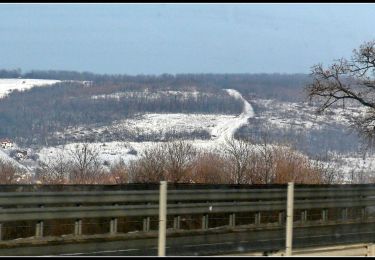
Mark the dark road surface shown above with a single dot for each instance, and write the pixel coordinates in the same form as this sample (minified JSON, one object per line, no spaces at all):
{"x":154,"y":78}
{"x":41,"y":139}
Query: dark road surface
{"x":209,"y":244}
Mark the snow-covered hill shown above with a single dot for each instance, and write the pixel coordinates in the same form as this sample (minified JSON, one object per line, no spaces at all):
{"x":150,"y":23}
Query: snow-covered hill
{"x":8,"y":85}
{"x":221,"y":127}
{"x":280,"y":118}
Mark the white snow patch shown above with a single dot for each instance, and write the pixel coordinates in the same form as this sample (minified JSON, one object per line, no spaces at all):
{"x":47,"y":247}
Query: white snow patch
{"x":149,"y":95}
{"x":8,"y":85}
{"x":279,"y":114}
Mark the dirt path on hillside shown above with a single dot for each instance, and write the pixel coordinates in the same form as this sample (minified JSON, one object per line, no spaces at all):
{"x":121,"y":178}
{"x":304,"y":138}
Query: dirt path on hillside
{"x":226,"y":129}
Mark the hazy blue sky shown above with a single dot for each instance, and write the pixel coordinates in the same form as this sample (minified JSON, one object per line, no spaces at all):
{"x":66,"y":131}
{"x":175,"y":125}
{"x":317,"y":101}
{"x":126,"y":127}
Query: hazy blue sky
{"x":181,"y":38}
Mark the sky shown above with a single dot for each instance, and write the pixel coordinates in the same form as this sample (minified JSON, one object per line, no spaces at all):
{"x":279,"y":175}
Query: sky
{"x":181,"y":38}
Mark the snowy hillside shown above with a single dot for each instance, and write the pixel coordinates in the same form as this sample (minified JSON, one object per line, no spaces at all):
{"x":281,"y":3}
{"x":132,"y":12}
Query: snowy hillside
{"x":221,"y":127}
{"x":8,"y":85}
{"x":27,"y":171}
{"x":126,"y":139}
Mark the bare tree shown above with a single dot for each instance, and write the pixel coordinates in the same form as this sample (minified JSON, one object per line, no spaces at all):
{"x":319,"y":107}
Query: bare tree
{"x":54,"y":170}
{"x":329,"y":173}
{"x":265,"y":150}
{"x":238,"y":155}
{"x":171,"y":161}
{"x":9,"y":173}
{"x":291,"y":165}
{"x":85,"y":165}
{"x":150,"y":167}
{"x":348,"y":80}
{"x":180,"y":158}
{"x":210,"y":168}
{"x":119,"y":173}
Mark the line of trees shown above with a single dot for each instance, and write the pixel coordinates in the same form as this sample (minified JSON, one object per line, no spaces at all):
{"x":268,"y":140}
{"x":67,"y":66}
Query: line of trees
{"x":275,"y":85}
{"x":236,"y":162}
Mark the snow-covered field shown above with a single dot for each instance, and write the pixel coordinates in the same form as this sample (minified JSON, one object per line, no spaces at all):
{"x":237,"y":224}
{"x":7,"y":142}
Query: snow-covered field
{"x":8,"y":85}
{"x":154,"y":124}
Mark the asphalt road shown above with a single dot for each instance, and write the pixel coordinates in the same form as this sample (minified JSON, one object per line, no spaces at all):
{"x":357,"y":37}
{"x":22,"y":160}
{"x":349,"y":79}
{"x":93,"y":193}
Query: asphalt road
{"x":266,"y":241}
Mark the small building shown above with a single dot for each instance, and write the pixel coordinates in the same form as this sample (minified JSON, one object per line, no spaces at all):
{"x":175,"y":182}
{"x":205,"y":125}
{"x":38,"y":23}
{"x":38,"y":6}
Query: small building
{"x":6,"y":143}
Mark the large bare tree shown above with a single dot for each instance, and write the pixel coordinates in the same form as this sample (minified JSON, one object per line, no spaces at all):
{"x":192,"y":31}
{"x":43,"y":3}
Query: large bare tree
{"x":348,"y":80}
{"x":86,"y":167}
{"x":239,"y":154}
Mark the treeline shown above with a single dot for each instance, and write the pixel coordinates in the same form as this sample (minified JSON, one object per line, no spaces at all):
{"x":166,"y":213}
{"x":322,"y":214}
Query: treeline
{"x":235,"y":162}
{"x":281,"y":86}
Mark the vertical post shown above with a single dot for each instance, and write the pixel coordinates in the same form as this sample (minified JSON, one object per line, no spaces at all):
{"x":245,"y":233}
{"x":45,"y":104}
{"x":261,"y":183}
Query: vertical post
{"x":78,"y":225}
{"x":113,"y":224}
{"x":162,"y":217}
{"x":304,"y":216}
{"x":177,"y":221}
{"x":344,"y":214}
{"x":232,"y":220}
{"x":205,"y":221}
{"x":39,"y":227}
{"x":363,"y":213}
{"x":146,"y":222}
{"x":257,"y":218}
{"x":324,"y":215}
{"x":289,"y":219}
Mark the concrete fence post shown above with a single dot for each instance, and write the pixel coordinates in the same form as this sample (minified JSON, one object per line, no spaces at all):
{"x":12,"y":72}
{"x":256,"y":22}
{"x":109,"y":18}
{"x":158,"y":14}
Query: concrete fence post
{"x":289,"y":219}
{"x":162,"y":218}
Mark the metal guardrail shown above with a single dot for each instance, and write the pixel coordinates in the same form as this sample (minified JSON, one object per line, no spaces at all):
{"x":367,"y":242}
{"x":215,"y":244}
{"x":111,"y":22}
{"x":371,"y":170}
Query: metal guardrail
{"x":44,"y":205}
{"x":18,"y":214}
{"x":29,"y":198}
